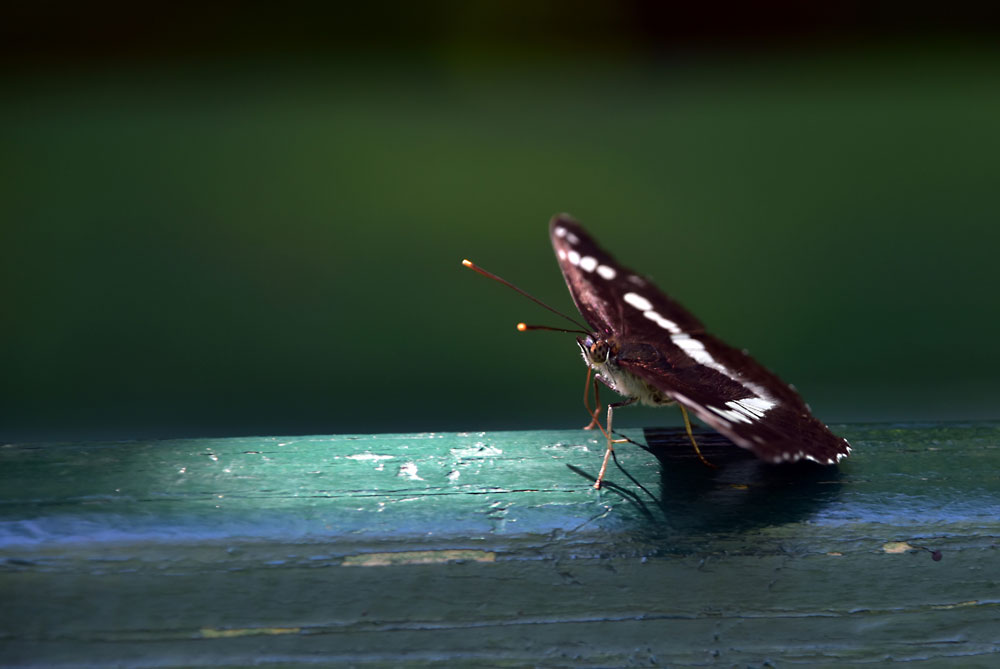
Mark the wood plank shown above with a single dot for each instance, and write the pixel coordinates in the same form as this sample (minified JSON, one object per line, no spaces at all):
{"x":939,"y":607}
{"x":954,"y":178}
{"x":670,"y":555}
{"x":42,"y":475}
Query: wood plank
{"x":494,"y":550}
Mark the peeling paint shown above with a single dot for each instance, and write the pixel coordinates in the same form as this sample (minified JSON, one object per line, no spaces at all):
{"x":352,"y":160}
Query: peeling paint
{"x":479,"y":450}
{"x":409,"y":471}
{"x":217,"y":633}
{"x":417,"y":557}
{"x":369,"y":456}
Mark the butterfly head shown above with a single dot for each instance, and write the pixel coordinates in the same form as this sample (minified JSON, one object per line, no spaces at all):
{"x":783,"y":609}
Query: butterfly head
{"x":596,"y":351}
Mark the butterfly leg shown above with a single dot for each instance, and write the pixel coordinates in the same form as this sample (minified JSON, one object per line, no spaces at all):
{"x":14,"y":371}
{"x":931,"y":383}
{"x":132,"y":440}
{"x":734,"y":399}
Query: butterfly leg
{"x":687,"y":426}
{"x":594,"y":420}
{"x":611,"y":441}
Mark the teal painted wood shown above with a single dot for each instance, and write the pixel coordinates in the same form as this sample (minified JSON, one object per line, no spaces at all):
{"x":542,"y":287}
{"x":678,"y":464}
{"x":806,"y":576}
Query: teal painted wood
{"x":494,"y":549}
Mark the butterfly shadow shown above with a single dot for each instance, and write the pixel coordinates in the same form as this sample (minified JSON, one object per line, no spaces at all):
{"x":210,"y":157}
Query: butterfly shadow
{"x":740,"y":493}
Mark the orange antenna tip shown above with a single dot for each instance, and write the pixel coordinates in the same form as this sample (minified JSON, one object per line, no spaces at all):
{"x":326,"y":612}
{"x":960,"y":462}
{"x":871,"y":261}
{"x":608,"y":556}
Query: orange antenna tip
{"x":522,"y":327}
{"x":467,"y":263}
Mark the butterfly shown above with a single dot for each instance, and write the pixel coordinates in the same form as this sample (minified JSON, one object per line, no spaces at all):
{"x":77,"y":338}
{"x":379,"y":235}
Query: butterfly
{"x":648,"y":348}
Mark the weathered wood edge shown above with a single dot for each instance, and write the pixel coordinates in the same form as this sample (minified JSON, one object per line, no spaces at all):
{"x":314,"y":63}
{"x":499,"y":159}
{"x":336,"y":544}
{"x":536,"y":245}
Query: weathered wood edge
{"x":737,"y":566}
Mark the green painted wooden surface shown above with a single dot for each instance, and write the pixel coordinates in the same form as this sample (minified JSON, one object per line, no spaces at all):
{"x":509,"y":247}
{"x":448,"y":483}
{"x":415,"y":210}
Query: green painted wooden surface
{"x":494,"y":550}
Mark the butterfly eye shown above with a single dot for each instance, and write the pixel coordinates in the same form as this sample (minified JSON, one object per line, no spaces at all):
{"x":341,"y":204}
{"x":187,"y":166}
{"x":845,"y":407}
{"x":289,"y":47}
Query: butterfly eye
{"x":599,"y":351}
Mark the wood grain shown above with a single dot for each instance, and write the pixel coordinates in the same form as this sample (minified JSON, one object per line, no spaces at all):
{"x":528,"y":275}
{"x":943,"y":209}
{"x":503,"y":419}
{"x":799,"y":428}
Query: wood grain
{"x":494,"y":550}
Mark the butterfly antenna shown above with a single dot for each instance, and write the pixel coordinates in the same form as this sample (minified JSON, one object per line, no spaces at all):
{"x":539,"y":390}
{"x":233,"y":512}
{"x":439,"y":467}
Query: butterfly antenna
{"x":524,"y":327}
{"x":490,"y":275}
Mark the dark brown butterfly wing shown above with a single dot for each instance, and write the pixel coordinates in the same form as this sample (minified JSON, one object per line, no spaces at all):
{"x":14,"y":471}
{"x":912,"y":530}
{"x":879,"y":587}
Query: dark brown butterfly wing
{"x":602,"y":288}
{"x":739,"y":397}
{"x":666,"y":346}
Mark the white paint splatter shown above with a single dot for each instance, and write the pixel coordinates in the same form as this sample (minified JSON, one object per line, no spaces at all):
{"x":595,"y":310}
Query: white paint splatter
{"x":409,"y":471}
{"x":479,"y":450}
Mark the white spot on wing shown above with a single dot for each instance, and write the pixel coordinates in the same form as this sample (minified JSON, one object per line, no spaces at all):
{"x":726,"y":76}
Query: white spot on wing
{"x":588,"y":263}
{"x":638,"y":301}
{"x":571,"y":238}
{"x":746,"y":410}
{"x":751,"y":408}
{"x":560,"y":231}
{"x":729,"y":414}
{"x":754,"y":407}
{"x":606,"y":272}
{"x":561,"y":254}
{"x":688,"y":344}
{"x":696,"y":350}
{"x":574,"y":257}
{"x":664,"y":323}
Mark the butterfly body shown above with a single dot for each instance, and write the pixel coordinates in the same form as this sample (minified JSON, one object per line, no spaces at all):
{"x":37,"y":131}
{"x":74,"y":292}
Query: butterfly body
{"x":647,"y":347}
{"x":602,"y":357}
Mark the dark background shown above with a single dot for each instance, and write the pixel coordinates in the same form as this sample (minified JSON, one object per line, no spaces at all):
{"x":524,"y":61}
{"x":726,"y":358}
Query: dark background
{"x":231,"y":219}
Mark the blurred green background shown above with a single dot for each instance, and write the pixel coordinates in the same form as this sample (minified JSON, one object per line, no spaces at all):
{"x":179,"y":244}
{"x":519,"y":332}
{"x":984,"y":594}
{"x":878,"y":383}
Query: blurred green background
{"x":222,"y":224}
